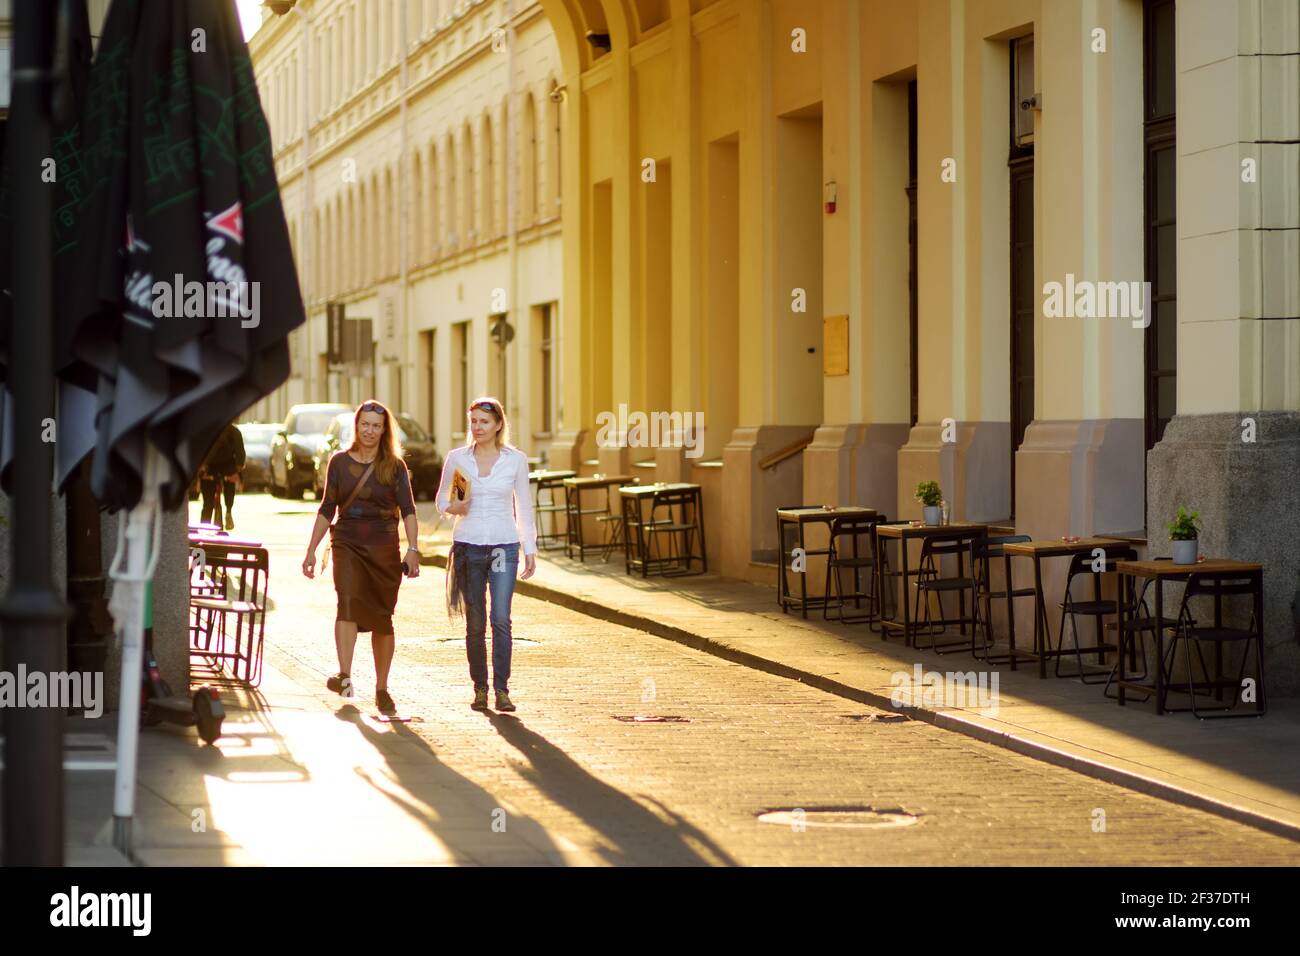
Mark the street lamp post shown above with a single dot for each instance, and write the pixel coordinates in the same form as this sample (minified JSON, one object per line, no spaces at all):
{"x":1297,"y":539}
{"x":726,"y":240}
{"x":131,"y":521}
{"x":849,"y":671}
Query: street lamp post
{"x":33,"y":614}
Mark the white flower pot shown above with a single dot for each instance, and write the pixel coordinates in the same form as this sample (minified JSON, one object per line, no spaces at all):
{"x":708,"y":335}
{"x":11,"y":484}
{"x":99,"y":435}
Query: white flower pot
{"x":933,"y":515}
{"x":1185,"y":551}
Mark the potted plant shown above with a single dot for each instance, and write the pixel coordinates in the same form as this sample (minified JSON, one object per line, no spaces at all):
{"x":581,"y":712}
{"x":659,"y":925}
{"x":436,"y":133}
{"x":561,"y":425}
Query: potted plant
{"x":1184,"y":531}
{"x":929,"y":495}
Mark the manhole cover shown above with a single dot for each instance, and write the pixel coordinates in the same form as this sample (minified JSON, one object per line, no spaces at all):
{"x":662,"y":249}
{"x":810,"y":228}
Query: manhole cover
{"x":839,"y":818}
{"x":877,"y":718}
{"x":650,"y":719}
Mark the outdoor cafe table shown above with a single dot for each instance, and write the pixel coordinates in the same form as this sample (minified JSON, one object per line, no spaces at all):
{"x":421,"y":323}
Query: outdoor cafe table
{"x":904,"y":533}
{"x":543,"y":480}
{"x":1159,"y":571}
{"x":634,"y":499}
{"x":800,"y":518}
{"x":1051,"y":548}
{"x":573,"y":511}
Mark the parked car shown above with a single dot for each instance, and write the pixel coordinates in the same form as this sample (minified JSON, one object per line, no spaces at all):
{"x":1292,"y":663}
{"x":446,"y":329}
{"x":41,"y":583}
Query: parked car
{"x":422,"y":459}
{"x":257,"y":453}
{"x":295,"y":443}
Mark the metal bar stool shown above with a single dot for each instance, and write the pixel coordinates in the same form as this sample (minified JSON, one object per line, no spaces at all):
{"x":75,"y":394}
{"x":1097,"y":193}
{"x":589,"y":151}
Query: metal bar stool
{"x":960,"y":545}
{"x":986,"y":552}
{"x":1098,"y":609}
{"x":852,"y":529}
{"x":1218,"y":585}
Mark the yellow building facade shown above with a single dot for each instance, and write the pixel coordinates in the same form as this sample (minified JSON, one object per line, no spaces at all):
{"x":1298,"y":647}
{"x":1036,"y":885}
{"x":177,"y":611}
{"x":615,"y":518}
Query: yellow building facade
{"x":417,"y":148}
{"x":881,"y":241}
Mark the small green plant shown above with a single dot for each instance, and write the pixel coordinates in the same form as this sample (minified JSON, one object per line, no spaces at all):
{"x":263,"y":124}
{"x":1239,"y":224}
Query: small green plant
{"x":928,"y":493}
{"x":1185,"y":526}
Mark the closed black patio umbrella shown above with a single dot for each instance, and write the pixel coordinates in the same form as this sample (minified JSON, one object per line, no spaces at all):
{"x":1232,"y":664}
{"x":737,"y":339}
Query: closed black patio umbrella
{"x":186,"y":290}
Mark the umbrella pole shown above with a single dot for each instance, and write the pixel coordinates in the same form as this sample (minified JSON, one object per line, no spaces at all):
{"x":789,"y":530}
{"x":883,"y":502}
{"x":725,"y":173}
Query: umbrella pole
{"x":143,"y":524}
{"x":34,"y":615}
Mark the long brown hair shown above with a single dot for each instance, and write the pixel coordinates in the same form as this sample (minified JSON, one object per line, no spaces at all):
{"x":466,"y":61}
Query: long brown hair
{"x":493,"y":407}
{"x":390,"y":449}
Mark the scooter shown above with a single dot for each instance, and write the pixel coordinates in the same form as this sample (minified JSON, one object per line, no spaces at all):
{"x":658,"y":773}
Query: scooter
{"x":159,"y":704}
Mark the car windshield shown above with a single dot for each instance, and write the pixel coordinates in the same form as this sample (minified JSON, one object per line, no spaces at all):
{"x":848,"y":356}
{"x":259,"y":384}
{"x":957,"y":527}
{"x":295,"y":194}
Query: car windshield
{"x":313,"y":423}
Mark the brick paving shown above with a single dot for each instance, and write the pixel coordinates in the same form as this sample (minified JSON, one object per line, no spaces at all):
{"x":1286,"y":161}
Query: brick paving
{"x":578,"y":786}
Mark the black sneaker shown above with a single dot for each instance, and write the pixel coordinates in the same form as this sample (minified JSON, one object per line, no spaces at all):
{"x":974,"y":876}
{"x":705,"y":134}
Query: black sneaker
{"x":384,"y":702}
{"x":341,"y":684}
{"x":480,"y":699}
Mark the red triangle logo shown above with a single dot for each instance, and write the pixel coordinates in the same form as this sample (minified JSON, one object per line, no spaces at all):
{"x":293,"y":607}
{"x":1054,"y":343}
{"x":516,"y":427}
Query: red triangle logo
{"x":229,"y":222}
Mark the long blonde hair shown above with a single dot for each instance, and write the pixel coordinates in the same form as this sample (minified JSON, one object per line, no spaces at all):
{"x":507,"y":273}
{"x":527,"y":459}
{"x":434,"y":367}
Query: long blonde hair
{"x":390,"y":449}
{"x":493,"y":407}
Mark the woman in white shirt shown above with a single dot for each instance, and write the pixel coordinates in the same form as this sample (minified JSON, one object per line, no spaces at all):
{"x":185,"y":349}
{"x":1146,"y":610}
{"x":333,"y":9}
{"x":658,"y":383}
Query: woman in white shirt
{"x":493,"y":522}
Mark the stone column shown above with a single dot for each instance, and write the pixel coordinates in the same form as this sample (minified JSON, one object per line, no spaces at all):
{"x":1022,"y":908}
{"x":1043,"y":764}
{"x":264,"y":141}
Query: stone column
{"x":1233,"y":450}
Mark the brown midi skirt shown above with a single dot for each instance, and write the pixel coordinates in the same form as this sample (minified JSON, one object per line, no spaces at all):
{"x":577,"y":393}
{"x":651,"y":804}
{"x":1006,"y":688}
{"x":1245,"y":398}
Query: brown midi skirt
{"x":367,"y":578}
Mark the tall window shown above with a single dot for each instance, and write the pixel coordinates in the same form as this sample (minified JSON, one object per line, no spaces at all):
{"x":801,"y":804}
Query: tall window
{"x":547,"y":348}
{"x":912,"y":236}
{"x":1161,"y":233}
{"x":460,"y":374}
{"x":1024,"y":303}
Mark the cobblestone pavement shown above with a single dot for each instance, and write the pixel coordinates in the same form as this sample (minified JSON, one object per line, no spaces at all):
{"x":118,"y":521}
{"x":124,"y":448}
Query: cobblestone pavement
{"x":602,"y":790}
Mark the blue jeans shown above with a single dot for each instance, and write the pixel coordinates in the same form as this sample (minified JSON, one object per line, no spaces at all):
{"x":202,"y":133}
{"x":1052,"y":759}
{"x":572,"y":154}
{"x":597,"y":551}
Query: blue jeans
{"x":484,"y":567}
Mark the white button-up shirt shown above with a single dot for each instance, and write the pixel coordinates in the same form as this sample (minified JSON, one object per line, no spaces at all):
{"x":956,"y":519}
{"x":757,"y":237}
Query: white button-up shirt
{"x":500,"y":505}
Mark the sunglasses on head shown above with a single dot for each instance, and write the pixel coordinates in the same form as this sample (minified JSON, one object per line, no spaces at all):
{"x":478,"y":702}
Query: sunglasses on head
{"x":483,"y":407}
{"x":373,"y":407}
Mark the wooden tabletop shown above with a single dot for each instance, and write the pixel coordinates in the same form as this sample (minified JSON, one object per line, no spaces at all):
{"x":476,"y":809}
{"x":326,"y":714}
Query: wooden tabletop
{"x":820,"y":512}
{"x":1055,"y":547}
{"x":924,"y":530}
{"x":599,"y":481}
{"x":641,"y":491}
{"x":1167,"y":569}
{"x":550,"y":475}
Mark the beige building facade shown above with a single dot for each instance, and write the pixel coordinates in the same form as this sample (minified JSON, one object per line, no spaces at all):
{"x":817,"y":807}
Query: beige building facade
{"x":896,"y":240}
{"x":417,"y":148}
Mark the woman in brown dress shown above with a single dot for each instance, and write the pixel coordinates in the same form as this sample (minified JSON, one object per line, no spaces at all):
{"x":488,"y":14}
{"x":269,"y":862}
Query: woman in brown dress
{"x":368,"y":565}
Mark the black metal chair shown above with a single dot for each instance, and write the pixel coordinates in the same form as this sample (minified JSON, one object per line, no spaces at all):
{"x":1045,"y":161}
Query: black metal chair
{"x":987,"y":551}
{"x":680,"y":526}
{"x":1098,"y":609}
{"x":851,"y":530}
{"x":546,"y":511}
{"x":1218,"y":585}
{"x":959,"y":545}
{"x":885,"y":576}
{"x":1140,"y":623}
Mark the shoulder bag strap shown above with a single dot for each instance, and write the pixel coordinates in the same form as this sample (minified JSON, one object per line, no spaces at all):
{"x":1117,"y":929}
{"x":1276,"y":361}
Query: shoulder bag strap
{"x":329,"y":544}
{"x":355,"y":491}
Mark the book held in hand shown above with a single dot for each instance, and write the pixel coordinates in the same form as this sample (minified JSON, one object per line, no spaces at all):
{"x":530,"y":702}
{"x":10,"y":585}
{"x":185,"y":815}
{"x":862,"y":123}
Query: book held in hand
{"x":459,"y":485}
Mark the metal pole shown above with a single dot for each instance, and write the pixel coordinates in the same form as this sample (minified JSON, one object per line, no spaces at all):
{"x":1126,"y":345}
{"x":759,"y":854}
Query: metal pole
{"x":33,"y":613}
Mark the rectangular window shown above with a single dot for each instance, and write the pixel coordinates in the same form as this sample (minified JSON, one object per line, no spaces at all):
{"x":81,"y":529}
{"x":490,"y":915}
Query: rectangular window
{"x":429,"y":399}
{"x":500,"y":332}
{"x":1024,"y":303}
{"x":460,"y":376}
{"x":1160,"y":216}
{"x":546,"y":346}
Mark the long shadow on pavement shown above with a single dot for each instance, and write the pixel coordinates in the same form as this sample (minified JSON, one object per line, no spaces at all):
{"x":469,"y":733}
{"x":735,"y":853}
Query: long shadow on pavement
{"x":416,"y":780}
{"x":638,"y":836}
